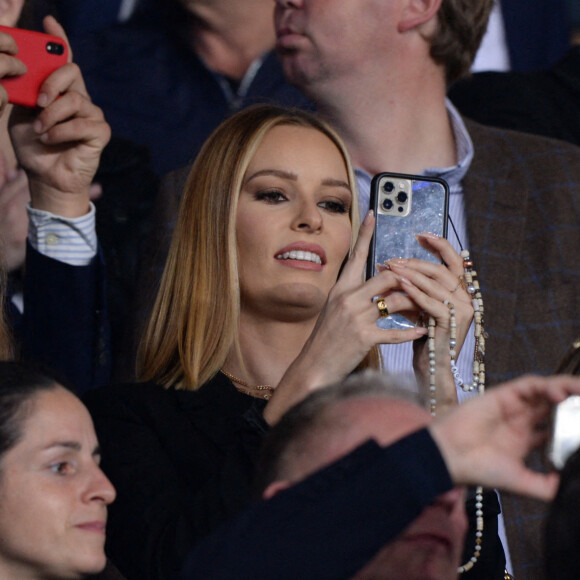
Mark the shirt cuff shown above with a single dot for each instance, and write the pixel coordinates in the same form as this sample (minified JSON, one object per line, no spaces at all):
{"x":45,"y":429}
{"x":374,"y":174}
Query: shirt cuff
{"x":69,"y":240}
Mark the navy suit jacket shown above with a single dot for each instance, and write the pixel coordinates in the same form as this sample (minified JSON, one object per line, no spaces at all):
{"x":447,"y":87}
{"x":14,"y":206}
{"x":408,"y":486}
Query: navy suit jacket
{"x":64,"y":326}
{"x":537,"y":33}
{"x":330,"y":525}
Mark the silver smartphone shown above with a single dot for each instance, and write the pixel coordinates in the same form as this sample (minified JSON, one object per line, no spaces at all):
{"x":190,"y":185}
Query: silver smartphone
{"x":405,"y":205}
{"x":565,"y":422}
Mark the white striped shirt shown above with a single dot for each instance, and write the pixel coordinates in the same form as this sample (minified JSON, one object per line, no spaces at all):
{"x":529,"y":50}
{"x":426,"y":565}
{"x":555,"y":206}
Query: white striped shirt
{"x":69,"y":240}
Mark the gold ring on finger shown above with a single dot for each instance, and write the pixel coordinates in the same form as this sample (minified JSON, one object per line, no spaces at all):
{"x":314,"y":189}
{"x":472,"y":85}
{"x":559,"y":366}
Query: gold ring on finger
{"x":382,"y":306}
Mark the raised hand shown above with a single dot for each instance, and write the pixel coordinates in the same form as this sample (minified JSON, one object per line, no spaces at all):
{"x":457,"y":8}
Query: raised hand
{"x":485,"y":440}
{"x":435,"y":287}
{"x":60,"y":146}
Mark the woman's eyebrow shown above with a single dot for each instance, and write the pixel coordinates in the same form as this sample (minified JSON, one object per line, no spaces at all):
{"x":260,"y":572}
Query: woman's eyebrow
{"x":74,"y":445}
{"x":336,"y":183}
{"x":276,"y":172}
{"x":292,"y":176}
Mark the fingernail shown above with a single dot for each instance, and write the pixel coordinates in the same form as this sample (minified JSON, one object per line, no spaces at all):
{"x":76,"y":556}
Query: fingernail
{"x":421,"y":330}
{"x":42,"y":99}
{"x":368,"y":217}
{"x":12,"y":175}
{"x":404,"y":280}
{"x":428,"y":235}
{"x":37,"y":126}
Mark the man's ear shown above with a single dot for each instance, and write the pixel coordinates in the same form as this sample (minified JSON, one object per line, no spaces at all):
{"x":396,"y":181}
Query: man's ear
{"x":417,"y":13}
{"x":274,"y":488}
{"x":10,"y":11}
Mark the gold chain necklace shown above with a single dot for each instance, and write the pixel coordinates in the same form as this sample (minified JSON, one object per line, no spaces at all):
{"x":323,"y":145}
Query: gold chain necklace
{"x":263,"y":391}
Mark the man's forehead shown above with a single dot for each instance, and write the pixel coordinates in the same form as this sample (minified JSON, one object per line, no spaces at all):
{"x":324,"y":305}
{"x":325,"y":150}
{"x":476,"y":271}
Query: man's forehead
{"x":384,"y":419}
{"x":345,"y":425}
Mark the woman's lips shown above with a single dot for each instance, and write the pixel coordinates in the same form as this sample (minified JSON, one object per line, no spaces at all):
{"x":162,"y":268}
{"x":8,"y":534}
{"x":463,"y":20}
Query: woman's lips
{"x":96,"y":526}
{"x":302,"y":255}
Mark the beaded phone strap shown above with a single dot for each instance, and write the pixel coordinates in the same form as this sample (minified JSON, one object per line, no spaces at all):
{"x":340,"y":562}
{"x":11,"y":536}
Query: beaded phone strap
{"x":470,"y":284}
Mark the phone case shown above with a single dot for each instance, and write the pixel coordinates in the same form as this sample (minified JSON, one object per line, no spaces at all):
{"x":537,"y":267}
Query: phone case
{"x":42,"y":54}
{"x":405,"y":205}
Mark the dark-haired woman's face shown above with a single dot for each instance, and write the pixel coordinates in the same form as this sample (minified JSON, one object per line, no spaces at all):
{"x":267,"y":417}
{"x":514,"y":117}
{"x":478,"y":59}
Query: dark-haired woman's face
{"x":293,"y":223}
{"x":53,"y":495}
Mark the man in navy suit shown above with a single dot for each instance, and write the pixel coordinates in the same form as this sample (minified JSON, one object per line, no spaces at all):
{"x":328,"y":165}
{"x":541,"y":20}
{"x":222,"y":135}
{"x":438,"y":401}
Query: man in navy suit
{"x":359,"y":482}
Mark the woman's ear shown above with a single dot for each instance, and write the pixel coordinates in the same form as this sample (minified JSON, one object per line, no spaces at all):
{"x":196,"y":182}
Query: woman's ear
{"x":417,"y":13}
{"x":10,"y":11}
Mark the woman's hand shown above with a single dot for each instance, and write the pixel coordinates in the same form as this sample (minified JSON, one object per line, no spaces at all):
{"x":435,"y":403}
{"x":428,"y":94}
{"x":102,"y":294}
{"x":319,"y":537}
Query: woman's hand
{"x":60,"y":147}
{"x":430,"y":286}
{"x":346,"y":329}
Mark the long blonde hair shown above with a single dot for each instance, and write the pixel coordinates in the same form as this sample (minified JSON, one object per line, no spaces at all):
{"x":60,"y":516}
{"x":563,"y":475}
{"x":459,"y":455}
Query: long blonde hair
{"x":195,"y":319}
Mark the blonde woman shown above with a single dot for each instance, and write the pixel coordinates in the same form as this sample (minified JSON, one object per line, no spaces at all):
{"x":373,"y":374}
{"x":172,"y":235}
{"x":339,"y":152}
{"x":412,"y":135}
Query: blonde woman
{"x":259,"y":305}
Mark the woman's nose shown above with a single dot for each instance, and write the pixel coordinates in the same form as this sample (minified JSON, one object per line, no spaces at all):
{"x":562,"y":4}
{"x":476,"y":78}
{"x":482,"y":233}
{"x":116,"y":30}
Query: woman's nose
{"x":100,"y":488}
{"x":308,"y":217}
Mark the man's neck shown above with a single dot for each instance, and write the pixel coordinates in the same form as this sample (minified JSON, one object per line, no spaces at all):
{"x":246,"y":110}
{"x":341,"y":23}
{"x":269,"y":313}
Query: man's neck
{"x":401,"y":127}
{"x":228,"y":36}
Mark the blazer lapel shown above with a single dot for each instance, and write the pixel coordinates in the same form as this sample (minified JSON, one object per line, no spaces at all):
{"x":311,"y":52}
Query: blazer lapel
{"x":495,"y":213}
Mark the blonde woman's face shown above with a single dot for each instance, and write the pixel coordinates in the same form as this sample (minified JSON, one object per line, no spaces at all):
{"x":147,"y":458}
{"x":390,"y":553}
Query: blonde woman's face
{"x":293,"y":223}
{"x":53,"y":495}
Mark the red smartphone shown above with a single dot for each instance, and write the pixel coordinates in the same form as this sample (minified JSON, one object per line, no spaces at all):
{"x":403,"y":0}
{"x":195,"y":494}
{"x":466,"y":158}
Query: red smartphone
{"x":42,"y":54}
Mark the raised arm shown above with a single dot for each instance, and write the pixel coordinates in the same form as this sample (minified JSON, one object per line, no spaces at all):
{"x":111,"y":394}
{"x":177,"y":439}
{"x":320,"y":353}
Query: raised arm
{"x":486,"y":440}
{"x":60,"y":146}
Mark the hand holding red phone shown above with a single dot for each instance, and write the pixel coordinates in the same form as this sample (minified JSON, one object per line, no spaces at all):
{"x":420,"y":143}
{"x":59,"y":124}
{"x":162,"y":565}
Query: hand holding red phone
{"x":60,"y":146}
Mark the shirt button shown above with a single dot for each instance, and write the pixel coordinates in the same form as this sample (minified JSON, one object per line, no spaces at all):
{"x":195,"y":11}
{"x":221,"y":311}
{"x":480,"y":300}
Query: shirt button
{"x":51,"y":240}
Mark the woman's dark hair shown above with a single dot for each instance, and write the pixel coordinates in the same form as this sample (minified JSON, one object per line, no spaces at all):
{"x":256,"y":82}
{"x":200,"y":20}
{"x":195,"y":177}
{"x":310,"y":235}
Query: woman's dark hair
{"x":19,"y":384}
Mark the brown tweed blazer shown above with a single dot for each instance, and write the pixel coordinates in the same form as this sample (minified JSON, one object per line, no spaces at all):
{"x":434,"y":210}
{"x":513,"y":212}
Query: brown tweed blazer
{"x":522,"y":200}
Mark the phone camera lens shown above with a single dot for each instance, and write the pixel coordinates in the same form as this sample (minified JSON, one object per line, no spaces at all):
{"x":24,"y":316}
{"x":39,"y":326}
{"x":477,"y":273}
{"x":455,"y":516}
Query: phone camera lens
{"x":388,"y":186}
{"x":55,"y":48}
{"x":401,"y":197}
{"x":387,"y":204}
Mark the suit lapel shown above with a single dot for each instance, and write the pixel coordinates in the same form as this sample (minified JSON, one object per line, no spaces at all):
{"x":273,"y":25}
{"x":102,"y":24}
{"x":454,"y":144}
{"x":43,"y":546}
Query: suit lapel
{"x":495,"y":213}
